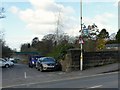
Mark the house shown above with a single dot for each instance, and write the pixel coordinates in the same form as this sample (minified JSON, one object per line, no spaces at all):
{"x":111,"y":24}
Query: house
{"x":113,"y":46}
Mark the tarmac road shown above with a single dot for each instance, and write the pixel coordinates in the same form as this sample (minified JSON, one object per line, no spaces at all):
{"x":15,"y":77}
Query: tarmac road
{"x":21,"y":73}
{"x":21,"y":76}
{"x":98,"y":81}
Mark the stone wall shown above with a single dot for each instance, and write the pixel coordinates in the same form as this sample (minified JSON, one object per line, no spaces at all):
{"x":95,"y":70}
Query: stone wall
{"x":90,"y":59}
{"x":71,"y":61}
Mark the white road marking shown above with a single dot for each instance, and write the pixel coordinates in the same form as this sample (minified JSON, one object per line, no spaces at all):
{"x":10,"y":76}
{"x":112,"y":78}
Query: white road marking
{"x":59,"y":80}
{"x":96,"y":86}
{"x":25,"y":75}
{"x":61,"y":73}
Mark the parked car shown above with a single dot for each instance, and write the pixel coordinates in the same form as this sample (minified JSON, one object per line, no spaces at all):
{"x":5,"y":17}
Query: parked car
{"x":10,"y":63}
{"x":47,"y":63}
{"x":4,"y":63}
{"x":32,"y":60}
{"x":13,"y":60}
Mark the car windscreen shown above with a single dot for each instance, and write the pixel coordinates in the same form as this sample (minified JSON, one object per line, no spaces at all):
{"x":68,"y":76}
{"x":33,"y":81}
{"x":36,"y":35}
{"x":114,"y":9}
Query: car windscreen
{"x":48,"y":60}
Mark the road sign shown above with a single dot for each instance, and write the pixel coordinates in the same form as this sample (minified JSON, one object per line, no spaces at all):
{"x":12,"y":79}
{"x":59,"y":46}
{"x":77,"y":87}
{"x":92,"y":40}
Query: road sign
{"x":81,"y":40}
{"x":85,"y":32}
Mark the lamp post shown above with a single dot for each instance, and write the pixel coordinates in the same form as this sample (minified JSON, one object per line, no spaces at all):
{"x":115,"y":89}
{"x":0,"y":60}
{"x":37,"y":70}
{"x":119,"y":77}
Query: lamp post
{"x":81,"y":42}
{"x":88,"y":30}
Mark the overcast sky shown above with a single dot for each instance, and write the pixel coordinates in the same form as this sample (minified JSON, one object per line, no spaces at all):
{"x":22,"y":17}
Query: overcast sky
{"x":26,"y":19}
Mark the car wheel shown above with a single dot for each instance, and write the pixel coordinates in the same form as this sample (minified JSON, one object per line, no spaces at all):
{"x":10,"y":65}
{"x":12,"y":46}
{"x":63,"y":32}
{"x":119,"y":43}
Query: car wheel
{"x":31,"y":66}
{"x":41,"y":68}
{"x":38,"y":69}
{"x":7,"y":66}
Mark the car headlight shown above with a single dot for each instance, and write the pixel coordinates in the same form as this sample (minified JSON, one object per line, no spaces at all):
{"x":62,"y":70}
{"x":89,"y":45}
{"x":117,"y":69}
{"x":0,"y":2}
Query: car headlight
{"x":33,"y":62}
{"x":44,"y":65}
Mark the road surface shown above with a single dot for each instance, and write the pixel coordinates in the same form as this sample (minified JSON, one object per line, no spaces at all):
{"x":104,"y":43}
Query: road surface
{"x":20,"y":76}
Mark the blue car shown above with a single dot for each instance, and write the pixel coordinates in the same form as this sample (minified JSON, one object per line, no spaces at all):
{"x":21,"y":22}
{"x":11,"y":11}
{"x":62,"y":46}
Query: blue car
{"x":32,"y":61}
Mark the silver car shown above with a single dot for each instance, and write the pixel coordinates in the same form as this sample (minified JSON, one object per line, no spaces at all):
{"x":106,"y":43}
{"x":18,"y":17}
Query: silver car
{"x":4,"y":63}
{"x":46,"y":63}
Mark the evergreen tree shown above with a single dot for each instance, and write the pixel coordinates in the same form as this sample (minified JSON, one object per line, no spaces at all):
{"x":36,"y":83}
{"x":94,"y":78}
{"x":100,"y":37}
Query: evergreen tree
{"x":118,"y":36}
{"x":103,"y":34}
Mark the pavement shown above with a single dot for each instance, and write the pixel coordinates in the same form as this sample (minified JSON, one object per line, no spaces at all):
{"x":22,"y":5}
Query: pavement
{"x":20,"y":75}
{"x":102,"y":69}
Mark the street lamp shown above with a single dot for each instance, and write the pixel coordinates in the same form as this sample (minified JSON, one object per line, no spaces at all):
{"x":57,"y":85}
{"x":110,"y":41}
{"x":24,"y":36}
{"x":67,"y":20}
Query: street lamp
{"x":88,"y":30}
{"x":81,"y":41}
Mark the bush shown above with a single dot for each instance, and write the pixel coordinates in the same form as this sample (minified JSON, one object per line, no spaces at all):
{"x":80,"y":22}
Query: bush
{"x":60,"y":51}
{"x":24,"y":61}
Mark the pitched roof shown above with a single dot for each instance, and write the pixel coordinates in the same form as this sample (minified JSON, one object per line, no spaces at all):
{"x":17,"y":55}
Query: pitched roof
{"x":112,"y":45}
{"x":23,"y":53}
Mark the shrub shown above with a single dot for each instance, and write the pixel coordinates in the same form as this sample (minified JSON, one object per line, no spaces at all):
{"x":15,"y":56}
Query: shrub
{"x":60,"y":51}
